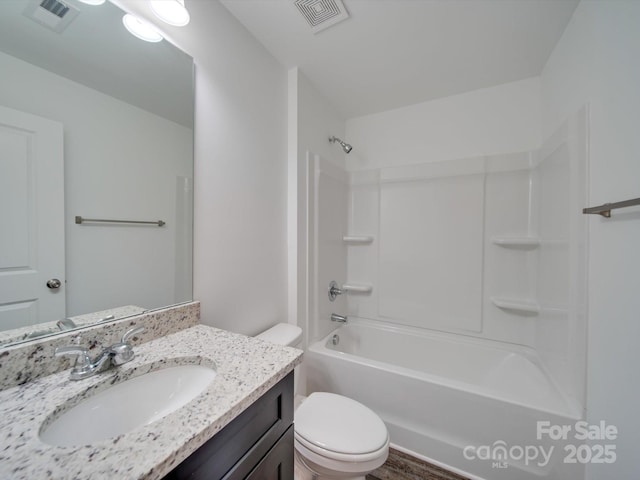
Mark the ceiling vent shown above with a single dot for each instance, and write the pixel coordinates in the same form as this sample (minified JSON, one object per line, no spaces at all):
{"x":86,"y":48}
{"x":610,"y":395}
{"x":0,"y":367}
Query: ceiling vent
{"x":322,"y":14}
{"x":53,"y":14}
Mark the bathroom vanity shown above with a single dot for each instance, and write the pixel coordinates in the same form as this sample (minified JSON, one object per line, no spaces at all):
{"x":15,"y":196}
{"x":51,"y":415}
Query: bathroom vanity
{"x":257,"y":444}
{"x":240,"y":426}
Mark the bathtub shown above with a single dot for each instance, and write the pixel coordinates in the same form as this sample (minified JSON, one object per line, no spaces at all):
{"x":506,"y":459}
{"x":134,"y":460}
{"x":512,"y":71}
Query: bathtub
{"x":466,"y":404}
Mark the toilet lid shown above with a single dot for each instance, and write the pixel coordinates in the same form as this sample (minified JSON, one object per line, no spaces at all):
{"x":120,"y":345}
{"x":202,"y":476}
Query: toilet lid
{"x":339,"y":424}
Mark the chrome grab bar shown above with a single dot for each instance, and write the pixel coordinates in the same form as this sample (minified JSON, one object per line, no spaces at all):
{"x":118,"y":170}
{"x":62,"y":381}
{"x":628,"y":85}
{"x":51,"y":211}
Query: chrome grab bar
{"x":605,"y":209}
{"x":80,"y":220}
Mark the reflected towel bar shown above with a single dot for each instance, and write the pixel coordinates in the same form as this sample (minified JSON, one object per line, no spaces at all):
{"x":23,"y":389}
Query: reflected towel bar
{"x":80,"y":220}
{"x":605,"y":210}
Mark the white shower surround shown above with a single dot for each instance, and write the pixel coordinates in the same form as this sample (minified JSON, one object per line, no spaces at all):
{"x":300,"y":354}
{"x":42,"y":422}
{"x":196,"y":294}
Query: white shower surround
{"x":527,"y":284}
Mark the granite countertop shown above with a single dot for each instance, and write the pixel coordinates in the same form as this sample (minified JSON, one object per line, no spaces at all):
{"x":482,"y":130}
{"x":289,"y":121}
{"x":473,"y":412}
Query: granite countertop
{"x":246,"y":368}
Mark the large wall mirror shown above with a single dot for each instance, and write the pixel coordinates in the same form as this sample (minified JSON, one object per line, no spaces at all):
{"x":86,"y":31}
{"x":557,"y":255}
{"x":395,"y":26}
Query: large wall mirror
{"x":98,"y":124}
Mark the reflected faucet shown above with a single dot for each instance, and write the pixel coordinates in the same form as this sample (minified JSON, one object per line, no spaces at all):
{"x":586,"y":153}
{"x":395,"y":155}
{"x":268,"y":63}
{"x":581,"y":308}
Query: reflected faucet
{"x":66,"y":324}
{"x":106,"y":319}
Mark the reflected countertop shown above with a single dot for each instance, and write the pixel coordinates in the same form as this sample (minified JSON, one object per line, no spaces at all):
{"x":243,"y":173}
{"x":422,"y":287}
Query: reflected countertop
{"x":32,"y":332}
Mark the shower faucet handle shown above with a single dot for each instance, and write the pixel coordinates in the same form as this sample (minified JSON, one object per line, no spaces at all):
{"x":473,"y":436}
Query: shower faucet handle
{"x":334,"y":290}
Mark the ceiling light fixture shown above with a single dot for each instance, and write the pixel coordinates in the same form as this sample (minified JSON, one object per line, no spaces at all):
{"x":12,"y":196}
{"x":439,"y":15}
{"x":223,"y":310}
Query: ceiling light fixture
{"x":141,"y":29}
{"x":172,"y":12}
{"x":93,"y":2}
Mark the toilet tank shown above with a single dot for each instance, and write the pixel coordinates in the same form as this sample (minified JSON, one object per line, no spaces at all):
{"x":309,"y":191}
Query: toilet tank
{"x":282,"y":334}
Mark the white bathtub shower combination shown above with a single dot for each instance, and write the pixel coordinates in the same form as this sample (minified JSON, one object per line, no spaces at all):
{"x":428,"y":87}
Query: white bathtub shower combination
{"x":439,"y":393}
{"x":467,"y":332}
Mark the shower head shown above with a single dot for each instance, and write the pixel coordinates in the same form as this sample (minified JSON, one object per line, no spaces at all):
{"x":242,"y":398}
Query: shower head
{"x":345,"y":146}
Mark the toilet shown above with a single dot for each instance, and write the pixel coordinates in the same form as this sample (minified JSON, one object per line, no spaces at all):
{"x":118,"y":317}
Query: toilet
{"x":335,"y":437}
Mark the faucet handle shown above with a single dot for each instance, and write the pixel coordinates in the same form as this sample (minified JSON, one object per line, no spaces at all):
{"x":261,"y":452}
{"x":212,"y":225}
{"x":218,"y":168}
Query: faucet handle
{"x":334,"y":290}
{"x":82,"y":354}
{"x":123,"y":352}
{"x":130,"y":333}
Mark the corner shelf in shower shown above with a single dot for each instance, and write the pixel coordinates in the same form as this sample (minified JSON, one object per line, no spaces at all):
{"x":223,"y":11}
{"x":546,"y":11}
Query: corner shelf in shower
{"x":358,"y":239}
{"x":516,"y":304}
{"x":517,"y":242}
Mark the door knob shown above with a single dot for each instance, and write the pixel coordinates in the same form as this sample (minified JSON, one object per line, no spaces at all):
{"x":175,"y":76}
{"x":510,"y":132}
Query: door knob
{"x":54,"y":283}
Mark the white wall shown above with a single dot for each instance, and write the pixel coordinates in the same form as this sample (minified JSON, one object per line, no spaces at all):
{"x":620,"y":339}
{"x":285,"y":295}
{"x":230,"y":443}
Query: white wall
{"x":120,"y":162}
{"x":490,"y":121}
{"x":596,"y":61}
{"x":240,"y":245}
{"x":317,"y":121}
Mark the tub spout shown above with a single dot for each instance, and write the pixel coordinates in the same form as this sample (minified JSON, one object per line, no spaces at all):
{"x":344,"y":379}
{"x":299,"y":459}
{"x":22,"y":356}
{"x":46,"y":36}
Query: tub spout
{"x":338,"y":318}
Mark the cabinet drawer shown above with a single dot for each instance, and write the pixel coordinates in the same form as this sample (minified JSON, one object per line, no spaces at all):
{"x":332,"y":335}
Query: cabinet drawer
{"x":278,"y":464}
{"x":234,"y":451}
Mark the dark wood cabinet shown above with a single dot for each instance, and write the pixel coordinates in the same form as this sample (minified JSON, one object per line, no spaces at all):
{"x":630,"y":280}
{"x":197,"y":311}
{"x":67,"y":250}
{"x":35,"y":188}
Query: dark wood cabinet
{"x":257,"y":445}
{"x":278,"y":464}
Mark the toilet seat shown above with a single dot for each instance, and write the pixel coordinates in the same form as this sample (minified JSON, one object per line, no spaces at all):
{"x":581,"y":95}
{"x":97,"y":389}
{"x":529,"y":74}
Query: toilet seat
{"x":340,"y":429}
{"x":327,"y":466}
{"x":317,"y":453}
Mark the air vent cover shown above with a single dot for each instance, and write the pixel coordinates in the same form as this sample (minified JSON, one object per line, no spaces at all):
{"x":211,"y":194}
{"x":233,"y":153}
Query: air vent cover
{"x":59,"y":9}
{"x":53,"y":14}
{"x":322,"y":14}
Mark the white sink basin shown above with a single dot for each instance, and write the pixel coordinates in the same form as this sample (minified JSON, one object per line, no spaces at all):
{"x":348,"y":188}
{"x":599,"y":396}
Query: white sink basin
{"x":128,"y":405}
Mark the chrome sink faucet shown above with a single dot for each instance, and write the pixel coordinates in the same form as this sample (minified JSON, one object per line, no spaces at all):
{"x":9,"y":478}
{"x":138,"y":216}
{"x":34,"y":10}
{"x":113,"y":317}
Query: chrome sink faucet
{"x":116,"y":354}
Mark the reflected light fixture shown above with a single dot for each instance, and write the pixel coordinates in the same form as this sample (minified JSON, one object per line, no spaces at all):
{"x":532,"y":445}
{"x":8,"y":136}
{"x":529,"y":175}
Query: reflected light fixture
{"x":172,"y":12}
{"x":141,"y":29}
{"x":93,"y":2}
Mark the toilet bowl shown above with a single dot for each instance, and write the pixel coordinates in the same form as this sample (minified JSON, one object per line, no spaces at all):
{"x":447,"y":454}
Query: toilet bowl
{"x":335,"y":437}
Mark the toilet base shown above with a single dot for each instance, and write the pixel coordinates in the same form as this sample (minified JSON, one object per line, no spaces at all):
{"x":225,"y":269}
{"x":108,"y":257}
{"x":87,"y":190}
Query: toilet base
{"x":303,"y":472}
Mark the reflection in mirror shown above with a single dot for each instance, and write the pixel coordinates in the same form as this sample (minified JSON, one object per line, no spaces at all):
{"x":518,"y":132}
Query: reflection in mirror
{"x":99,"y":124}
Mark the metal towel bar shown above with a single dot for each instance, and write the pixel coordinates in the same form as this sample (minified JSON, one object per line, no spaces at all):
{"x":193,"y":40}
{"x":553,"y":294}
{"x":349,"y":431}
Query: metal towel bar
{"x":605,"y":209}
{"x":80,"y":220}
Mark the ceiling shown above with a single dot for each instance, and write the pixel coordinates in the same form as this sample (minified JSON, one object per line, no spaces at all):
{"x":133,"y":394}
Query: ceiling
{"x":96,"y":50}
{"x":392,"y":53}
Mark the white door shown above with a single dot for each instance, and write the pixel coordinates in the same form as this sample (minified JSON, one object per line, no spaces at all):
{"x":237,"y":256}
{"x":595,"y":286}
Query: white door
{"x":31,"y":219}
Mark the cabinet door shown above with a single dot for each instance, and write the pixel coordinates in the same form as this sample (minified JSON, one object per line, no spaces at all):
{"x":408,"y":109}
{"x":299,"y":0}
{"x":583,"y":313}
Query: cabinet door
{"x":278,"y":464}
{"x":233,"y":453}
